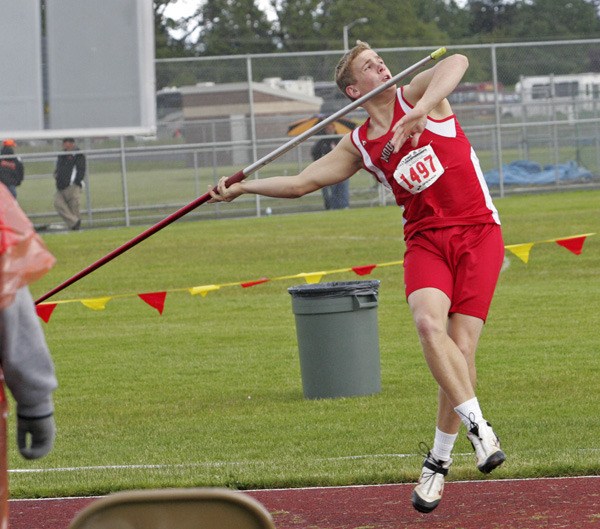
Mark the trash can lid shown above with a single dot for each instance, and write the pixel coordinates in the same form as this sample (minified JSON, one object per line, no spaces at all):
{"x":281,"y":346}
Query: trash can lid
{"x":335,"y":289}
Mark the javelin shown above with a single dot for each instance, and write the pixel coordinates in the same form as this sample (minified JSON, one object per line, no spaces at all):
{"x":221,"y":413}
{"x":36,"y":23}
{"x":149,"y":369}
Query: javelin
{"x":241,"y":175}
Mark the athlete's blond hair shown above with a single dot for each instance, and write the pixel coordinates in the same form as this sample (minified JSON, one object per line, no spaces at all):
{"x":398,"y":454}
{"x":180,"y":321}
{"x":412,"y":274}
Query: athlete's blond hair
{"x":343,"y":70}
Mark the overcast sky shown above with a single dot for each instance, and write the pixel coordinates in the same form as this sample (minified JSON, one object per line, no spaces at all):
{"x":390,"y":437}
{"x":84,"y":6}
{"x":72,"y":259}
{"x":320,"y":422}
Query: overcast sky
{"x":183,"y":8}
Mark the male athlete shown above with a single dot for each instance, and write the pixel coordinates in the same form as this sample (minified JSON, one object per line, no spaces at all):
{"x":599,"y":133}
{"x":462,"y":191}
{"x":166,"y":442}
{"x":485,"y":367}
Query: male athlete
{"x":413,"y":144}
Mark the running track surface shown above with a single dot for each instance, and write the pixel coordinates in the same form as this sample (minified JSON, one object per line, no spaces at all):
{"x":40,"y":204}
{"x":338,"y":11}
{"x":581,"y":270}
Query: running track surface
{"x":572,"y":503}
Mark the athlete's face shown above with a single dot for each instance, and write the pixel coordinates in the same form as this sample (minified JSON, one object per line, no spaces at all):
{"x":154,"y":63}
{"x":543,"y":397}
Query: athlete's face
{"x":370,"y":72}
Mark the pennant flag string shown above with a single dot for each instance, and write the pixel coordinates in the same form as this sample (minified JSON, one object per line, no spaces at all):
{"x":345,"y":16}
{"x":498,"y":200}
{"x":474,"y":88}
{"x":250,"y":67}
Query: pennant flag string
{"x":156,"y":300}
{"x":583,"y":235}
{"x":574,"y":244}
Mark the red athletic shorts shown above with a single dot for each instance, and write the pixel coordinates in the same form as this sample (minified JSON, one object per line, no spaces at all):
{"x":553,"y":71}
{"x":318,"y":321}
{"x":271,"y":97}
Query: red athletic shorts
{"x":462,"y":261}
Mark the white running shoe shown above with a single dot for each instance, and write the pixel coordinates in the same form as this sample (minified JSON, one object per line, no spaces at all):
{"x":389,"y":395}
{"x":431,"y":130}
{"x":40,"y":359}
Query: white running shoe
{"x":487,"y":446}
{"x":428,"y":493}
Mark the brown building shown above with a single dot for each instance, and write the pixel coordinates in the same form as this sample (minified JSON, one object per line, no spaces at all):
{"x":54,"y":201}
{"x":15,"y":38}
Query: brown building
{"x":216,"y":113}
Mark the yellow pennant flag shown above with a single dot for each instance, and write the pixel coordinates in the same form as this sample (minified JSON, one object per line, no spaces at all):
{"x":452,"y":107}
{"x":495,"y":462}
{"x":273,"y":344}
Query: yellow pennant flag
{"x":521,"y":250}
{"x":203,"y":290}
{"x":96,"y":303}
{"x":312,"y":277}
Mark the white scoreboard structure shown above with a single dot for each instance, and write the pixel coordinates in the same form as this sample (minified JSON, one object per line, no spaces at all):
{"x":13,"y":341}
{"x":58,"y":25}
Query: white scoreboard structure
{"x":80,"y":68}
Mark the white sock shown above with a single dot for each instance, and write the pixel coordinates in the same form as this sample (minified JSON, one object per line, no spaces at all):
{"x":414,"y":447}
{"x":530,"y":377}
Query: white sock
{"x":469,"y":412}
{"x":443,"y":444}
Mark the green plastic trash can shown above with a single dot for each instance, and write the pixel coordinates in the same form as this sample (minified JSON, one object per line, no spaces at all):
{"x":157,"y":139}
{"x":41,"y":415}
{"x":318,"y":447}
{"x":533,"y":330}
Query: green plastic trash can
{"x":338,"y":340}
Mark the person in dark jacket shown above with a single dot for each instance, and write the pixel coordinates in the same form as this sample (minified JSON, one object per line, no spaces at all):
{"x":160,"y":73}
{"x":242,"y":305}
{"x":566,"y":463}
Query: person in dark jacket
{"x":336,"y":196}
{"x":69,"y":175}
{"x":11,"y":169}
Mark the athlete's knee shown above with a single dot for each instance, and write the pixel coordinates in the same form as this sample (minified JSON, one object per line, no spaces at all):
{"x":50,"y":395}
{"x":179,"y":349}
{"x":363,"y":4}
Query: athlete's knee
{"x":429,"y":327}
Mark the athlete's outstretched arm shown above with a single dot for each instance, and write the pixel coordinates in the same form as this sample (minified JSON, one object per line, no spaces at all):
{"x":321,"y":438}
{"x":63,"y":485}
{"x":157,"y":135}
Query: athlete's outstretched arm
{"x":338,"y":165}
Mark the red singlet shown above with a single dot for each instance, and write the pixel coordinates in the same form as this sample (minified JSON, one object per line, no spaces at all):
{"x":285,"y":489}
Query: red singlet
{"x":439,"y":182}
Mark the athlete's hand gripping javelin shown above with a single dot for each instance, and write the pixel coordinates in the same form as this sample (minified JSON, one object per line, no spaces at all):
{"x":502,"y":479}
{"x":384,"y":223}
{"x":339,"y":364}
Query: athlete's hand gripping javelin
{"x":224,"y":193}
{"x":427,"y":92}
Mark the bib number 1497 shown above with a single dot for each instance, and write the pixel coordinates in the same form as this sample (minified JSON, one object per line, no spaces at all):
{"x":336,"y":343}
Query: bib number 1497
{"x":418,"y":170}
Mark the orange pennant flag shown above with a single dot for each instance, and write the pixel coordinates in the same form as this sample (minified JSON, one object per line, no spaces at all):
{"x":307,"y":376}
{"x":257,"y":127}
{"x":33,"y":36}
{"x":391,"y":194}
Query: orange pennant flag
{"x":521,"y":250}
{"x":573,"y":244}
{"x":253,"y":283}
{"x":155,"y":299}
{"x":363,"y":270}
{"x":44,"y":310}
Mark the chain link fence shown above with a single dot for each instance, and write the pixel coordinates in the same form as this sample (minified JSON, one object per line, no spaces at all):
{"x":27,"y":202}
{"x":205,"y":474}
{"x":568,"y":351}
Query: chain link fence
{"x":531,"y":111}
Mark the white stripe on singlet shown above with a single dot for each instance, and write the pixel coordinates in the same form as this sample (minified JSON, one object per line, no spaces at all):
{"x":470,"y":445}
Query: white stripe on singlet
{"x":484,"y":188}
{"x":446,"y":128}
{"x":369,"y":165}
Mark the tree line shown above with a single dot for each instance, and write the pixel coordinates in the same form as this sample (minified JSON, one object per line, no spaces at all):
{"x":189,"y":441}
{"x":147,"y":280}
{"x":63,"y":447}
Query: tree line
{"x":232,"y":27}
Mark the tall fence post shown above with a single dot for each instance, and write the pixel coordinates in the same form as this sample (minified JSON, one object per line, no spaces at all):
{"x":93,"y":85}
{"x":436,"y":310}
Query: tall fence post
{"x":252,"y":126}
{"x":499,"y":157}
{"x":597,"y":144}
{"x":196,"y":174}
{"x":215,"y":162}
{"x":124,"y":181}
{"x":87,"y":179}
{"x":555,"y":142}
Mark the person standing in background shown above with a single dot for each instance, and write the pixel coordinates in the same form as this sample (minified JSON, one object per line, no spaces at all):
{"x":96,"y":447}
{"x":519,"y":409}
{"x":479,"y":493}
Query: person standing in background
{"x":11,"y":169}
{"x":336,"y":196}
{"x":69,"y":175}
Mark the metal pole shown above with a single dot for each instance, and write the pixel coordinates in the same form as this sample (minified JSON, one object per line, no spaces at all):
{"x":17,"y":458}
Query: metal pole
{"x":555,"y":143}
{"x":88,"y":191}
{"x":124,"y":181}
{"x":196,"y":173}
{"x":498,"y":129}
{"x":346,"y":29}
{"x":252,"y":124}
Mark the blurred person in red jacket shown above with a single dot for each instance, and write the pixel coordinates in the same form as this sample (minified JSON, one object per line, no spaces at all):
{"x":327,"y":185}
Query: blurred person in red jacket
{"x":25,"y":362}
{"x":11,"y":168}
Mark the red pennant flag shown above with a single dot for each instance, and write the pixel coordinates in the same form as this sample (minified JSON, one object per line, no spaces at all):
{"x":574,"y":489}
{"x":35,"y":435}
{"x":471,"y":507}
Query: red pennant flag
{"x":574,"y":245}
{"x":364,"y":270}
{"x":252,"y":283}
{"x":44,"y":310}
{"x":155,"y":299}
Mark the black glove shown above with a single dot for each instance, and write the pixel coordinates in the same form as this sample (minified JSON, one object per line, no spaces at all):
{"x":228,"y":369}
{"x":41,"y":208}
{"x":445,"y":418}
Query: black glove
{"x":35,"y":435}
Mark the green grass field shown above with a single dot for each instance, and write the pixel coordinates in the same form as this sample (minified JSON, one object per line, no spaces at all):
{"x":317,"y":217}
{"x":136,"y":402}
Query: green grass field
{"x":210,"y":394}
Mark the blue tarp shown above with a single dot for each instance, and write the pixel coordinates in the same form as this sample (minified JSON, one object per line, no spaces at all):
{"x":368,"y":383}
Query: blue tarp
{"x":525,"y":172}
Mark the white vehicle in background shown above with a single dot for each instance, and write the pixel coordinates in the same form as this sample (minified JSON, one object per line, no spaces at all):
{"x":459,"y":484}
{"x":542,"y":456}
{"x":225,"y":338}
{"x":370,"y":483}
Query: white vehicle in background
{"x":567,"y":94}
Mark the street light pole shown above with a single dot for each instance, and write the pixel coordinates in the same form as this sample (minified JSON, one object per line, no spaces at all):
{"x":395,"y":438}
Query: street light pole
{"x":362,"y":20}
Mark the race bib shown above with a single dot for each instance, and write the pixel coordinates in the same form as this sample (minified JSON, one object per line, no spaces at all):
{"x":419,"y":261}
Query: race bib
{"x":418,"y":170}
